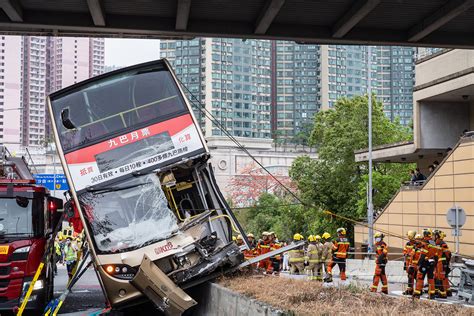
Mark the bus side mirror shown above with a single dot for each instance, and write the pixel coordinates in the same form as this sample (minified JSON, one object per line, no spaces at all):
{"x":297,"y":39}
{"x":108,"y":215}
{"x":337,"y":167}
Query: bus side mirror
{"x":66,"y":120}
{"x":69,"y":209}
{"x":54,"y":204}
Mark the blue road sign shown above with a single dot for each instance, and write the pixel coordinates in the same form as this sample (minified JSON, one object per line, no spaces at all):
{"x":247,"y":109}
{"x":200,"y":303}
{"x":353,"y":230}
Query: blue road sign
{"x":47,"y":180}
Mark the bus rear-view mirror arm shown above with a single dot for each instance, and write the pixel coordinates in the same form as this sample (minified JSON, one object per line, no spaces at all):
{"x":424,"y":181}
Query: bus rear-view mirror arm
{"x":66,"y":120}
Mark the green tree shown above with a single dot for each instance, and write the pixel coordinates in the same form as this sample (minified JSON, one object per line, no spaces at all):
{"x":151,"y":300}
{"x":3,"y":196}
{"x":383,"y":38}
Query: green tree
{"x":333,"y":182}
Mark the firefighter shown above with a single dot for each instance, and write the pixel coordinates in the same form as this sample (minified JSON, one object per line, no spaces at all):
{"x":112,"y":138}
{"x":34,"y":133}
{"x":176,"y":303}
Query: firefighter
{"x":442,"y":267}
{"x":70,"y":256}
{"x":415,"y":255}
{"x":426,"y":265}
{"x":314,"y":255}
{"x":263,"y":247}
{"x":275,"y":260}
{"x":326,"y":251}
{"x":340,"y":247}
{"x":296,"y":256}
{"x":381,"y":250}
{"x":239,"y":241}
{"x":251,"y":239}
{"x":407,"y":253}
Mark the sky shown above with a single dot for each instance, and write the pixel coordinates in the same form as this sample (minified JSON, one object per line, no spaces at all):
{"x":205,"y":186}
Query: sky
{"x":126,"y":52}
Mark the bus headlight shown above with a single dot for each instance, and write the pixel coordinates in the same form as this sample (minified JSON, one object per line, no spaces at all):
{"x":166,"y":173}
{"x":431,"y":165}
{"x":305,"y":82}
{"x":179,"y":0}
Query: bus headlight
{"x":120,"y":271}
{"x":39,"y":284}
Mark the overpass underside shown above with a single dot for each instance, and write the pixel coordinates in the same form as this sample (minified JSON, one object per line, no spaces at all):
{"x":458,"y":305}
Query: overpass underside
{"x":436,"y":23}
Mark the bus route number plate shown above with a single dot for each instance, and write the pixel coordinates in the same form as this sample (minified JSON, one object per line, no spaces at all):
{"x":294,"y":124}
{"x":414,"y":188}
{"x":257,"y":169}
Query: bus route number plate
{"x":3,"y":250}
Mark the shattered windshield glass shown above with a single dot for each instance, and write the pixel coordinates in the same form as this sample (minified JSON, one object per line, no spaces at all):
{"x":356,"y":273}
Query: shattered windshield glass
{"x":129,"y":214}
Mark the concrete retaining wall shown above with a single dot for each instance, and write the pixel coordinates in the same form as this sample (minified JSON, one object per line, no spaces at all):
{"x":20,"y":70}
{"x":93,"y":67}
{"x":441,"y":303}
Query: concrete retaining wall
{"x":363,"y":269}
{"x":215,"y":300}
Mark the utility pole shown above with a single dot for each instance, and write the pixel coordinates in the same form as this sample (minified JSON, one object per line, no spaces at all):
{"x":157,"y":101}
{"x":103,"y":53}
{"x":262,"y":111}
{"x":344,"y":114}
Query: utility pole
{"x":370,"y":206}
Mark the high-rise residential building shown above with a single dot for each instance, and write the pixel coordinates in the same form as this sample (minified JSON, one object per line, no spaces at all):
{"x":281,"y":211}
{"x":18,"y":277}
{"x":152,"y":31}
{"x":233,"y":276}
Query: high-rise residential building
{"x":33,"y":83}
{"x":259,"y":88}
{"x":296,"y":96}
{"x":30,"y":68}
{"x":395,"y":78}
{"x":10,"y":91}
{"x":392,"y":76}
{"x":230,"y":77}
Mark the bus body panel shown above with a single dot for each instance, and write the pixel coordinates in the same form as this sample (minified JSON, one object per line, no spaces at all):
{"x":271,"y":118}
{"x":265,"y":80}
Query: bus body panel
{"x":143,"y":186}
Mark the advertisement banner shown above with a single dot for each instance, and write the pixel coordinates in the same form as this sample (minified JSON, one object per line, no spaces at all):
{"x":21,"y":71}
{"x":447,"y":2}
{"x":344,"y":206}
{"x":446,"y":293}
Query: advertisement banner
{"x":143,"y":148}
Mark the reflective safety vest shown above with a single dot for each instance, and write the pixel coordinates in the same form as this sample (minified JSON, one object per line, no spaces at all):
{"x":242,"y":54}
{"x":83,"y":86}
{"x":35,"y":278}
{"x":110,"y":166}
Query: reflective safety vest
{"x":70,"y":253}
{"x":415,"y":256}
{"x":326,"y":251}
{"x":340,"y":247}
{"x":296,"y":255}
{"x":314,"y":252}
{"x":57,"y":248}
{"x":263,"y":247}
{"x":275,"y":246}
{"x":381,"y":249}
{"x":445,"y":253}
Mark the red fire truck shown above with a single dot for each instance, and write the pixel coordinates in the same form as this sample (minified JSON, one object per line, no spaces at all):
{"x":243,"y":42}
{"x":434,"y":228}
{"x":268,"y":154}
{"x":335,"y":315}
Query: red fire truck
{"x":28,"y":215}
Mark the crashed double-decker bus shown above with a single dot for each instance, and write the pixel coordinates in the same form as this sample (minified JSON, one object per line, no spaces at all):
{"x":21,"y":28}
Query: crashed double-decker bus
{"x":137,"y":164}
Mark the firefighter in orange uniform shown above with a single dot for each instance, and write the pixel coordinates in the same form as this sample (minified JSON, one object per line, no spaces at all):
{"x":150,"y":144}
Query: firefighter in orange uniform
{"x":407,"y":251}
{"x":274,"y":244}
{"x":381,"y":250}
{"x":340,"y":247}
{"x":263,"y":247}
{"x":442,"y":268}
{"x":426,"y":265}
{"x":415,"y":255}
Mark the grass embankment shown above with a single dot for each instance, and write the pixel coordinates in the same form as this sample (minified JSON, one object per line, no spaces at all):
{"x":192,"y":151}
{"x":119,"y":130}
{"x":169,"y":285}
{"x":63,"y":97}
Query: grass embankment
{"x":311,"y":298}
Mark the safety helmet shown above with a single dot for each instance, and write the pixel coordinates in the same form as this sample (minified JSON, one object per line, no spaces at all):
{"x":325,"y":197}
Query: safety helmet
{"x":311,"y":238}
{"x":411,"y":234}
{"x":379,"y":235}
{"x":341,"y":231}
{"x":265,"y":233}
{"x":271,"y":233}
{"x":250,"y":235}
{"x":326,"y":235}
{"x":427,"y":232}
{"x":234,"y":238}
{"x":442,"y":235}
{"x":317,"y":238}
{"x":298,"y":237}
{"x":239,"y":237}
{"x":418,"y":237}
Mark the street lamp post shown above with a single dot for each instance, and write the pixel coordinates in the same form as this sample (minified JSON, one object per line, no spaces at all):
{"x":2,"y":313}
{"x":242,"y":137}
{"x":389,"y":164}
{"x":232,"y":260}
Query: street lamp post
{"x":370,"y":206}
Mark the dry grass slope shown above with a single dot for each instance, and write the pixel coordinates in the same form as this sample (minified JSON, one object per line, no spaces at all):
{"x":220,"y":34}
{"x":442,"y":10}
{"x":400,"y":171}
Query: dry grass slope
{"x":310,"y":298}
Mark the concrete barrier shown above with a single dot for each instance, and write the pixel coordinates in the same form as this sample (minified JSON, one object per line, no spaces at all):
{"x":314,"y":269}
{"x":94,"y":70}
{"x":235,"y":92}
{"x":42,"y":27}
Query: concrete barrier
{"x":216,"y":300}
{"x":363,"y":269}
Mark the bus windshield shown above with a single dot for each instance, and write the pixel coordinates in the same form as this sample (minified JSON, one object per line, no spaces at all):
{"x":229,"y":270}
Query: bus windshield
{"x":114,"y":104}
{"x":128,"y":215}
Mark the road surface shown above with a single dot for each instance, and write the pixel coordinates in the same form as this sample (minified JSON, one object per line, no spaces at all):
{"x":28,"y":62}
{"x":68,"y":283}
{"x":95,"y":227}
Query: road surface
{"x":86,"y":294}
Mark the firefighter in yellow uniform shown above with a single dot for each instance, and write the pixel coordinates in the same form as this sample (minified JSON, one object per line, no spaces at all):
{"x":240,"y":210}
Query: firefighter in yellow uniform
{"x":314,"y":252}
{"x":296,"y":256}
{"x":326,"y":252}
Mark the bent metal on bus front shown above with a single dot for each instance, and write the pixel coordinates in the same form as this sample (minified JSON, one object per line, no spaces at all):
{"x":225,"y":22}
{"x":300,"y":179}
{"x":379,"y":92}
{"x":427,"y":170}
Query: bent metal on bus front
{"x":138,"y":168}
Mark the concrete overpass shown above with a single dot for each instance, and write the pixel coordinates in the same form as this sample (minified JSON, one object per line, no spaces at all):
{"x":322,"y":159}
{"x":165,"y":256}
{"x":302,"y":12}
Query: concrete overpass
{"x":439,"y":23}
